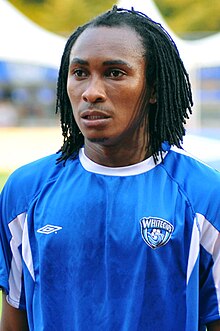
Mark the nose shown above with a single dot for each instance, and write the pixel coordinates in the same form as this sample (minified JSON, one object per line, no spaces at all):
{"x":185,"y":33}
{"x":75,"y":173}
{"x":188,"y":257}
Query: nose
{"x":94,"y":91}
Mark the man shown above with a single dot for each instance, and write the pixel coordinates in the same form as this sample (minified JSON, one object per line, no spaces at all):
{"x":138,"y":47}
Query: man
{"x":120,"y":230}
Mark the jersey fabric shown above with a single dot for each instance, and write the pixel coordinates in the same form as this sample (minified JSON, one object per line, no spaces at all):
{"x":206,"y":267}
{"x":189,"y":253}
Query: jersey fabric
{"x":86,"y":247}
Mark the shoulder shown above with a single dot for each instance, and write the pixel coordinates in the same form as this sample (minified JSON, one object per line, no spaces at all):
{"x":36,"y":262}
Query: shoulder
{"x":27,"y":181}
{"x":186,"y":167}
{"x":35,"y":172}
{"x":197,"y":181}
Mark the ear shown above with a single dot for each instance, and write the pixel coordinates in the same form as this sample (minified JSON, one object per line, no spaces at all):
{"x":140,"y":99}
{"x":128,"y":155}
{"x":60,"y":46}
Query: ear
{"x":153,"y":98}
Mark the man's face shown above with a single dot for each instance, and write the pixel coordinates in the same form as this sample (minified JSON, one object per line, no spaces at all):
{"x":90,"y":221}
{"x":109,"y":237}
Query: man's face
{"x":105,"y":83}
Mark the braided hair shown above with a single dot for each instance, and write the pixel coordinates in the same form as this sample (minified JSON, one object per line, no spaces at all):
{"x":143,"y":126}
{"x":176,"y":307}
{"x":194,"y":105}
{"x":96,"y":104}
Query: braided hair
{"x":165,"y":72}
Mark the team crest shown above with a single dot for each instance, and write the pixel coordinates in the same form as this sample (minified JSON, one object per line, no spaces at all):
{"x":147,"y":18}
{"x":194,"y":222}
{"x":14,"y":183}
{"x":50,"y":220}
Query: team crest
{"x":156,"y":232}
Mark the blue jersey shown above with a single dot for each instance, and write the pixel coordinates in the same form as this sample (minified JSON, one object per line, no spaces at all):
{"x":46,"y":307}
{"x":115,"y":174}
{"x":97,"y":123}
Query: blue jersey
{"x":136,"y":248}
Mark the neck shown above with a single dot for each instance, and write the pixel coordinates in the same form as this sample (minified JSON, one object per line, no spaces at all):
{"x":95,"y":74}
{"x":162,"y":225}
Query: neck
{"x":118,"y":155}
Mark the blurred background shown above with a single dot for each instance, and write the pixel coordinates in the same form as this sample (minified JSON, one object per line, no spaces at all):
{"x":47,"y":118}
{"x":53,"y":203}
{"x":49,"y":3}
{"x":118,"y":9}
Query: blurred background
{"x":32,"y":37}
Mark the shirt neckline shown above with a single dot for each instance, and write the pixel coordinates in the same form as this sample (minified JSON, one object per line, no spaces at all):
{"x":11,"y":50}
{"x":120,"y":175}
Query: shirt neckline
{"x":131,"y":170}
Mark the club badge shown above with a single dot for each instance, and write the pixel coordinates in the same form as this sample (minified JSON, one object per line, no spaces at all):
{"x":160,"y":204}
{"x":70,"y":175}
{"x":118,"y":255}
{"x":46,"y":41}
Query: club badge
{"x":156,"y":232}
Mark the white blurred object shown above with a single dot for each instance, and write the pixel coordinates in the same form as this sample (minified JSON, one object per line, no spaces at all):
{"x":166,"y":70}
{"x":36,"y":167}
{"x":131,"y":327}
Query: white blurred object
{"x":24,"y":41}
{"x":194,"y":53}
{"x":205,"y":149}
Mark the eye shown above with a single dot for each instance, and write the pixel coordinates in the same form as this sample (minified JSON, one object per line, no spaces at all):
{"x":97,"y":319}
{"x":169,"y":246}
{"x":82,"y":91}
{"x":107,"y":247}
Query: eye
{"x":79,"y":73}
{"x":115,"y":73}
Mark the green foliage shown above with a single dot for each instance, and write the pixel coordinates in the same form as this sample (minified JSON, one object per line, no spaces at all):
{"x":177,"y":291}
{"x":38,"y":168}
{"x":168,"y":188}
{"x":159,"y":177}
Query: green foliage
{"x":3,"y":178}
{"x":183,"y":16}
{"x":62,"y":16}
{"x":191,"y":16}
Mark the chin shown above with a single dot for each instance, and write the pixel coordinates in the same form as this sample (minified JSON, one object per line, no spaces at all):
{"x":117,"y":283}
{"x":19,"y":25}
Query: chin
{"x":97,"y":140}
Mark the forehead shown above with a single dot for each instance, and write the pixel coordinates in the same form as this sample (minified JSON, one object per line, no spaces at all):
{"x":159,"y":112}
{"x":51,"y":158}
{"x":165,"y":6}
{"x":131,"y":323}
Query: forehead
{"x":120,"y":42}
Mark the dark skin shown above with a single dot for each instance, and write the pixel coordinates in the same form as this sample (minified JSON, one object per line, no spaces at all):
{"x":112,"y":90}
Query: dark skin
{"x":12,"y":319}
{"x":215,"y":326}
{"x":105,"y":82}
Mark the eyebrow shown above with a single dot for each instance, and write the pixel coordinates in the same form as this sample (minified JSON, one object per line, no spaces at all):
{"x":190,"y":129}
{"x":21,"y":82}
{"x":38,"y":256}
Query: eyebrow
{"x":116,"y":62}
{"x":77,"y":60}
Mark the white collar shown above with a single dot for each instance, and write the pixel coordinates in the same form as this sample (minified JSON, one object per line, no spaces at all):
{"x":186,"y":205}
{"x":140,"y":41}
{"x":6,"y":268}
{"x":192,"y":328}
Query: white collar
{"x":131,"y":170}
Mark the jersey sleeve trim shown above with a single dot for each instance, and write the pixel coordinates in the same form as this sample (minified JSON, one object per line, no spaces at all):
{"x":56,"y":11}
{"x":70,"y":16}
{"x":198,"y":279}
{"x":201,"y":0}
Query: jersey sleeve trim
{"x":210,"y":240}
{"x":15,"y":276}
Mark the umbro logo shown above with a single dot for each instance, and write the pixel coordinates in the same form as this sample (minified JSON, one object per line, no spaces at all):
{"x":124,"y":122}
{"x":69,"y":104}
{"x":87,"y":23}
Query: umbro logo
{"x":47,"y":229}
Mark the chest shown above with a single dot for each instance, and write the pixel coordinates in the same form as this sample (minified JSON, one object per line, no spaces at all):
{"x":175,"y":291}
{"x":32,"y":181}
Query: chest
{"x":100,"y":211}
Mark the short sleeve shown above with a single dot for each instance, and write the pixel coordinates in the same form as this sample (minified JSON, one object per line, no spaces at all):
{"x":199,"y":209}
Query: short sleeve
{"x":11,"y":228}
{"x":5,"y":252}
{"x":209,"y":273}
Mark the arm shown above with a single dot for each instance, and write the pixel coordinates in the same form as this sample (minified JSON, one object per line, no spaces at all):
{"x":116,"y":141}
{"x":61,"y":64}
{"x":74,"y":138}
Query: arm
{"x":215,"y":326}
{"x":12,"y":319}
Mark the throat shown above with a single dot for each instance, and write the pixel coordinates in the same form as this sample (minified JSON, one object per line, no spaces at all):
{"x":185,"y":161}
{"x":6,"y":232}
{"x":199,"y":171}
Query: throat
{"x":110,"y":156}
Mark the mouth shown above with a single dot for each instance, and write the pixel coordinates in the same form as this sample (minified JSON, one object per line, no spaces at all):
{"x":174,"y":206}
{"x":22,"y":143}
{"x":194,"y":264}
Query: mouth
{"x":94,"y":115}
{"x":92,"y":119}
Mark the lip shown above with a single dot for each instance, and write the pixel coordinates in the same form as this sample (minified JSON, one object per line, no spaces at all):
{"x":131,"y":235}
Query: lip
{"x":94,"y":115}
{"x":95,"y":118}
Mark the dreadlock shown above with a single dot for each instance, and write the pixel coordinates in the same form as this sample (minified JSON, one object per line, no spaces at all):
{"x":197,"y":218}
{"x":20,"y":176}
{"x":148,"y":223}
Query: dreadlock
{"x":165,"y":72}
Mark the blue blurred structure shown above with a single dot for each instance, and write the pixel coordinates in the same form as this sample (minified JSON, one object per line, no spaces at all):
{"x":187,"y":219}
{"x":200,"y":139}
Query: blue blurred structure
{"x":31,"y":90}
{"x":21,"y":73}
